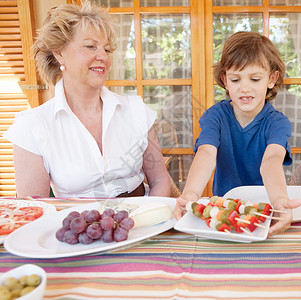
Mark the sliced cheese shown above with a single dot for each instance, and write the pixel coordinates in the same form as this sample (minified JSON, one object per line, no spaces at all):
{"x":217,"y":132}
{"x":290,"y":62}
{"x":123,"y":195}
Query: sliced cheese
{"x":117,"y":206}
{"x":151,"y":214}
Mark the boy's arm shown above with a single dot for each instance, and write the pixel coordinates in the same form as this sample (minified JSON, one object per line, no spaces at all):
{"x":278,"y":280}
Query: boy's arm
{"x":199,"y":174}
{"x":273,"y":177}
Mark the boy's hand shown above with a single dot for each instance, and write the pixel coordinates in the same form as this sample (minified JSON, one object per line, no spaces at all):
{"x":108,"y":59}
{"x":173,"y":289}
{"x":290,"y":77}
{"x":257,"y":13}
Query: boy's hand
{"x":180,"y":208}
{"x":279,"y":226}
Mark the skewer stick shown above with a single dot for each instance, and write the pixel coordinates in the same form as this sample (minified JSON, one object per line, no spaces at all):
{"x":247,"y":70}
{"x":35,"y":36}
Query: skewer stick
{"x":229,"y":232}
{"x":246,"y":231}
{"x":279,"y":211}
{"x":248,"y":222}
{"x":242,"y":220}
{"x":262,"y":226}
{"x":268,"y":217}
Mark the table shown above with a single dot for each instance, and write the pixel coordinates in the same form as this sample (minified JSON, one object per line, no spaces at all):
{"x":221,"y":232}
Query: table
{"x":175,"y":265}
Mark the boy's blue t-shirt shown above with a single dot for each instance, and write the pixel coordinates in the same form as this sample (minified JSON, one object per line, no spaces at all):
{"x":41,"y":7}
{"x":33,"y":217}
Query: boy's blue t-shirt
{"x":240,"y":150}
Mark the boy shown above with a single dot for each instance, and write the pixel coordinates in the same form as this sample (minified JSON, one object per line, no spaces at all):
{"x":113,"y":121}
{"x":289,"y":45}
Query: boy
{"x":245,"y":140}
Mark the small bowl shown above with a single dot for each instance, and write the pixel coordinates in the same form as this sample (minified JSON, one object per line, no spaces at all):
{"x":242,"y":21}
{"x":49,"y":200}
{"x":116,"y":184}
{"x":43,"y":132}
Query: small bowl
{"x":28,"y":269}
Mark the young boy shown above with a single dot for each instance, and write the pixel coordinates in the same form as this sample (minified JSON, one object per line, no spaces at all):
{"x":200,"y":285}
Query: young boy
{"x":245,"y":140}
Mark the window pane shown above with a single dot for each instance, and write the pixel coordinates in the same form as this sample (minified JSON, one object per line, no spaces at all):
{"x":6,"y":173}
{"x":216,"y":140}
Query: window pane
{"x":225,"y":25}
{"x":236,"y":2}
{"x":114,"y":3}
{"x":285,"y":33}
{"x":288,"y":101}
{"x":178,"y":169}
{"x":174,"y":120}
{"x":166,"y":46}
{"x":124,"y":90}
{"x":285,"y":2}
{"x":123,"y":65}
{"x":153,"y":3}
{"x":219,"y":94}
{"x":289,"y":169}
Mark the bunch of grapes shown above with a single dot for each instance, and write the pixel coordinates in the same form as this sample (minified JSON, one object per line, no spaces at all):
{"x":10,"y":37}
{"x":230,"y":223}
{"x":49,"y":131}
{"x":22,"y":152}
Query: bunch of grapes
{"x":90,"y":225}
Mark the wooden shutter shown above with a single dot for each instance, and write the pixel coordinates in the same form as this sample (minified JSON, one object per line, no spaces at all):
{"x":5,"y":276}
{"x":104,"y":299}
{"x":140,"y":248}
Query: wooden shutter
{"x":16,"y":69}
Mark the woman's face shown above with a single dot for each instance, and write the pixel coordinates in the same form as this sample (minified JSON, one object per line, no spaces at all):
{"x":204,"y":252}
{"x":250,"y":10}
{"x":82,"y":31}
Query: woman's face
{"x":86,"y":59}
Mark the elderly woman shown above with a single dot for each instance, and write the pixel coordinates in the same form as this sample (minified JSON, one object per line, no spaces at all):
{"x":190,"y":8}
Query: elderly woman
{"x":86,"y":141}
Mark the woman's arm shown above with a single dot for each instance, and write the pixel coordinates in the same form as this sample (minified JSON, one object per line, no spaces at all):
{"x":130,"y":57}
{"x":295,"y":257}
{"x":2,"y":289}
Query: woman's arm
{"x":199,"y":174}
{"x":31,"y":176}
{"x":273,"y":177}
{"x":154,"y":167}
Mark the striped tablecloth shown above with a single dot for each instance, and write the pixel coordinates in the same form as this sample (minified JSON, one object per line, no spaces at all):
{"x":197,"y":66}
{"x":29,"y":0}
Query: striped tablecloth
{"x":174,"y":265}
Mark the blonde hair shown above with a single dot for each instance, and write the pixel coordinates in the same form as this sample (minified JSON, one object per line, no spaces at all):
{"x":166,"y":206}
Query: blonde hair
{"x":247,"y":48}
{"x":58,"y":30}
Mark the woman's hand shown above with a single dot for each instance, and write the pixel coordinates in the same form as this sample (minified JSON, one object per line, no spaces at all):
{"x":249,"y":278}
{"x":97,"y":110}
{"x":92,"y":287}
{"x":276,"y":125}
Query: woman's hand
{"x":284,"y":223}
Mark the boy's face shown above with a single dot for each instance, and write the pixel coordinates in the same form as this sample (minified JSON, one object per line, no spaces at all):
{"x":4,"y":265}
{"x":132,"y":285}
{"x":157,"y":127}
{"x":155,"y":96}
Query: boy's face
{"x":247,"y":89}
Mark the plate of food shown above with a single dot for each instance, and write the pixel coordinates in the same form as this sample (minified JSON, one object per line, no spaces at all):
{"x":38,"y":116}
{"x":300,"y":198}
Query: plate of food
{"x":17,"y":213}
{"x":101,"y":226}
{"x":224,"y":218}
{"x":260,"y":193}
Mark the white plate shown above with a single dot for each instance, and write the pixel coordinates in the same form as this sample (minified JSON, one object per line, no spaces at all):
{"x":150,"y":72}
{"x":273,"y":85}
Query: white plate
{"x":194,"y":225}
{"x":47,"y":209}
{"x":259,"y":192}
{"x":37,"y":239}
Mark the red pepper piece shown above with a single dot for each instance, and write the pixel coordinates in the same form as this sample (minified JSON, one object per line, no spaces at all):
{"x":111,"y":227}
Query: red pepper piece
{"x":208,"y":221}
{"x":238,"y":227}
{"x":237,"y":206}
{"x":261,"y":218}
{"x":200,"y":208}
{"x":224,"y":227}
{"x":267,"y":209}
{"x":252,"y":226}
{"x":231,"y":218}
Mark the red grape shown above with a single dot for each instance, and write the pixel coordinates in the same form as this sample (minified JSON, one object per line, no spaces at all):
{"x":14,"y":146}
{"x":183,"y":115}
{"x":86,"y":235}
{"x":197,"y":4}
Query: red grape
{"x":94,"y":231}
{"x":84,"y":238}
{"x":107,"y":236}
{"x":60,"y":234}
{"x":120,"y":234}
{"x":121,"y":215}
{"x":127,"y":223}
{"x":78,"y":225}
{"x":109,"y":212}
{"x":107,"y":223}
{"x":93,"y":216}
{"x":70,"y":237}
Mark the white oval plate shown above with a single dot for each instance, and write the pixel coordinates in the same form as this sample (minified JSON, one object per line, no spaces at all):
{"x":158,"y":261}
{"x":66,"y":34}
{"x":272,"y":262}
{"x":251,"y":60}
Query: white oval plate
{"x":194,"y":225}
{"x":260,"y":193}
{"x":37,"y":239}
{"x":47,"y":209}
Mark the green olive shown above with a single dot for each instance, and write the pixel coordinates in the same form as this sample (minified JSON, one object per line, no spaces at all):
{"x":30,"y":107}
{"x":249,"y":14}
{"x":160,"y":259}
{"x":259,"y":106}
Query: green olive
{"x":26,"y":290}
{"x":206,"y":212}
{"x":10,"y":282}
{"x":5,"y":294}
{"x":33,"y":280}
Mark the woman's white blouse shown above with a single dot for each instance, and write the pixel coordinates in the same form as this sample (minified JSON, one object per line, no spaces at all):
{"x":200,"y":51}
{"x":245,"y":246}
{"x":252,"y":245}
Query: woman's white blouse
{"x":71,"y":155}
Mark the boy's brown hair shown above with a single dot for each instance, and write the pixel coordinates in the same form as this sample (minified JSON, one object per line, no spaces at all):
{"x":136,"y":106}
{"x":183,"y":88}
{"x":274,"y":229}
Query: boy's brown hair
{"x":250,"y":48}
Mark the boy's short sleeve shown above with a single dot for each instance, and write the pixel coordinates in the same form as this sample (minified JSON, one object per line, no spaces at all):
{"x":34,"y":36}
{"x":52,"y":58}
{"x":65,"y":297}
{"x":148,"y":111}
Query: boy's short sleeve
{"x":210,"y":129}
{"x":279,"y":132}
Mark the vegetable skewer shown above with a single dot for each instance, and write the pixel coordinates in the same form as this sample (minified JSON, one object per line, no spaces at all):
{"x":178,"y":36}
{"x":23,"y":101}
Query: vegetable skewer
{"x":231,"y":214}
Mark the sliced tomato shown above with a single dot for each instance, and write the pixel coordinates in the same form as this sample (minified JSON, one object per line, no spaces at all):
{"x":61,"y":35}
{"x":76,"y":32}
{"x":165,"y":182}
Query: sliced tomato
{"x":5,"y":230}
{"x":32,"y":212}
{"x":29,"y":213}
